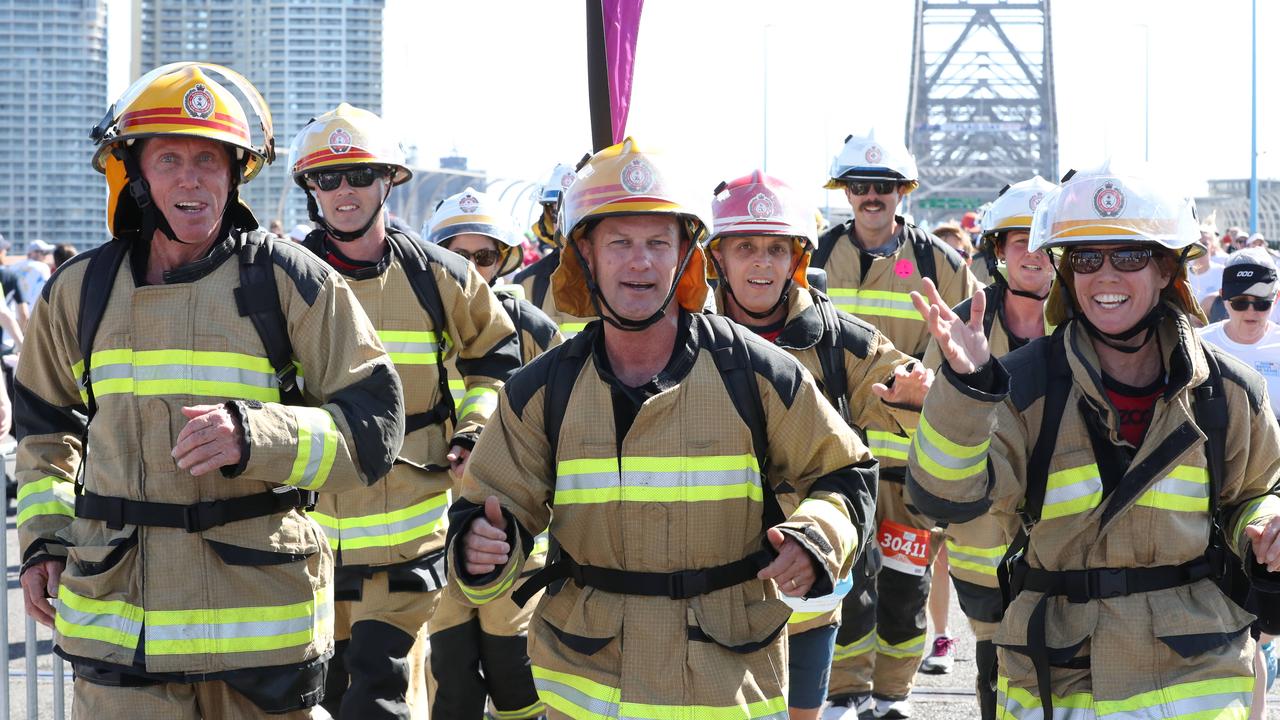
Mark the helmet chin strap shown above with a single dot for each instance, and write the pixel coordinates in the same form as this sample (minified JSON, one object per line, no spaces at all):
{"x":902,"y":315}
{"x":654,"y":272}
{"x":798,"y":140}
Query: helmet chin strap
{"x":613,"y":317}
{"x":728,"y":289}
{"x":313,"y":210}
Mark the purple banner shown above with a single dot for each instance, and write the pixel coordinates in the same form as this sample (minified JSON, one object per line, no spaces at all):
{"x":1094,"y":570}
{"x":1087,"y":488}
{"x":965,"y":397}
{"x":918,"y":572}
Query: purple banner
{"x":621,"y":27}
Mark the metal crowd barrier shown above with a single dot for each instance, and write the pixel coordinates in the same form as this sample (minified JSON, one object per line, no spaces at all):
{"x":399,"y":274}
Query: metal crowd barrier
{"x":36,"y":681}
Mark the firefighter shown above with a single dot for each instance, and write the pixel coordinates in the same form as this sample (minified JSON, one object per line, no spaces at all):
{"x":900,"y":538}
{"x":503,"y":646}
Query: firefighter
{"x":536,"y":278}
{"x":1113,"y":441}
{"x":872,"y":263}
{"x":1013,"y":316}
{"x":760,"y":246}
{"x":165,"y":450}
{"x":427,"y":305}
{"x":482,"y":651}
{"x":661,"y":437}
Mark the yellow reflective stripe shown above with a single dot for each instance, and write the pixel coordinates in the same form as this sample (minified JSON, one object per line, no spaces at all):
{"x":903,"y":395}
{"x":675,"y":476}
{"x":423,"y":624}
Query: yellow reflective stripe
{"x":236,"y":630}
{"x":525,"y":713}
{"x":861,"y":646}
{"x":540,"y":544}
{"x":481,"y":400}
{"x":569,"y":329}
{"x":480,"y":596}
{"x":317,"y":445}
{"x":888,"y":445}
{"x":1072,"y":491}
{"x":1026,"y":705}
{"x":110,"y":621}
{"x":385,"y":529}
{"x":457,"y":388}
{"x":981,"y":560}
{"x":1184,"y":489}
{"x":945,"y":459}
{"x":658,"y":479}
{"x":181,"y":372}
{"x":803,"y":617}
{"x":47,"y":496}
{"x":1221,"y":698}
{"x":882,"y":303}
{"x":912,"y":647}
{"x":411,"y":347}
{"x":1252,"y":511}
{"x":579,"y":697}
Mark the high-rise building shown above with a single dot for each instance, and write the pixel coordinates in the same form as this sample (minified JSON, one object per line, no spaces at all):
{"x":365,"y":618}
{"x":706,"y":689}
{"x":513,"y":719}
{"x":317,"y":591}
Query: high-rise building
{"x":53,"y":89}
{"x":304,"y":56}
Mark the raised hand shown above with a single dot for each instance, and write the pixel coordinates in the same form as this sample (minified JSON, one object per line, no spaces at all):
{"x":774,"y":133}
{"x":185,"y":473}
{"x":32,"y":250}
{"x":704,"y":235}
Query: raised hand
{"x":485,"y":544}
{"x":910,"y":384}
{"x":964,"y":345}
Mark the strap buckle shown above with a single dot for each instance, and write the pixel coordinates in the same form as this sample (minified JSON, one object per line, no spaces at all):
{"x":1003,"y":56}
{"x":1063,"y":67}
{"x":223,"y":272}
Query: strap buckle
{"x":1107,"y":583}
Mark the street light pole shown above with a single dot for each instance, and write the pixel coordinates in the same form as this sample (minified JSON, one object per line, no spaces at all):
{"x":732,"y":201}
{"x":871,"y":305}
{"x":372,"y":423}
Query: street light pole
{"x":764,"y":103}
{"x":1253,"y":151}
{"x":1146,"y":96}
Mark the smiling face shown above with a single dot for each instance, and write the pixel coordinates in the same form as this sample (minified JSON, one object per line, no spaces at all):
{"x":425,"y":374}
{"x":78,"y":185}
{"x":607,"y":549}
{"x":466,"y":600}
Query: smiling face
{"x":1116,"y":301}
{"x":756,"y":267}
{"x":634,"y":260}
{"x":472,"y":243}
{"x":190,"y":179}
{"x":874,"y":212}
{"x":1027,"y":271}
{"x":347,"y":208}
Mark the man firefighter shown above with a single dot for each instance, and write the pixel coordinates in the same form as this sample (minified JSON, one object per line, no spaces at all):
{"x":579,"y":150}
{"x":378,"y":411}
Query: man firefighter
{"x":168,"y":528}
{"x":660,"y":437}
{"x":479,"y":652}
{"x":427,"y":305}
{"x":760,"y":247}
{"x":872,"y":263}
{"x":536,"y":278}
{"x":1143,"y":462}
{"x":1013,"y":315}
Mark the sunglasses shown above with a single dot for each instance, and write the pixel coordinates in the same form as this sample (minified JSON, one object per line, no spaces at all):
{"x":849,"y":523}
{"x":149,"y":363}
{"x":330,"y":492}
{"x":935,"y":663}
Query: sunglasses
{"x":357,"y":177}
{"x":1125,"y":260}
{"x":882,"y":187}
{"x":1242,"y":304}
{"x":481,"y":258}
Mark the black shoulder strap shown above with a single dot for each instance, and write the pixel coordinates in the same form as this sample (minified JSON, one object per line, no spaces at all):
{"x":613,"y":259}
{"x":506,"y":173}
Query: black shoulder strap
{"x":995,"y":296}
{"x":542,"y":283}
{"x":424,"y":286}
{"x":1055,"y":404}
{"x":1210,"y":408}
{"x":511,"y":304}
{"x":95,"y":290}
{"x":565,"y":366}
{"x":258,"y":299}
{"x":827,"y":243}
{"x":925,"y":261}
{"x":831,"y":358}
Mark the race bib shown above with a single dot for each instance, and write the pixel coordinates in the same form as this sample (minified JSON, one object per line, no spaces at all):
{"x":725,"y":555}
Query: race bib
{"x":904,"y":548}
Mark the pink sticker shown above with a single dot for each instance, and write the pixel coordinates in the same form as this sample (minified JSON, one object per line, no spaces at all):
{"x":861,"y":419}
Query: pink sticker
{"x":904,"y":268}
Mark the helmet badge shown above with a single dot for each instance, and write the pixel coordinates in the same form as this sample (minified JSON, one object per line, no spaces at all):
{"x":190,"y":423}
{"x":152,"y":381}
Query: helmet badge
{"x":339,"y":141}
{"x":874,"y":154}
{"x":637,"y":176}
{"x":1108,"y":201}
{"x":198,"y":102}
{"x":761,"y":207}
{"x":567,"y":179}
{"x":468,"y":203}
{"x":1035,"y":200}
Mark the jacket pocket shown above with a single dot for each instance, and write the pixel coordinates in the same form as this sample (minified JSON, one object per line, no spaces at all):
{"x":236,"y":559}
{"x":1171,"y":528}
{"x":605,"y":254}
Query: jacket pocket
{"x":1067,"y":626}
{"x":290,"y":533}
{"x":582,"y":620}
{"x":743,"y":619}
{"x":101,"y":550}
{"x":1193,"y":619}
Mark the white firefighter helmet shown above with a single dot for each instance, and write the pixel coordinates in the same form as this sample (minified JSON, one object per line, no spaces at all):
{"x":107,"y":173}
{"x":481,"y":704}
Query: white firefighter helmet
{"x":475,"y":212}
{"x":866,"y":157}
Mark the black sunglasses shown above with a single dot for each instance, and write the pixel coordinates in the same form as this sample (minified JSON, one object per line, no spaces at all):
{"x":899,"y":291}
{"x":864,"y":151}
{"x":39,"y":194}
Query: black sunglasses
{"x":1124,"y":260}
{"x":882,"y":187}
{"x":1241,"y":304}
{"x":357,"y":177}
{"x":481,"y":258}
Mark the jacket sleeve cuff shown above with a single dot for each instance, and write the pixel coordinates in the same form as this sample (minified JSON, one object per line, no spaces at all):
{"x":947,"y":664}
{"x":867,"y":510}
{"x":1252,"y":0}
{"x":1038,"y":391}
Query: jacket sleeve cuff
{"x":822,"y":527}
{"x":239,"y":410}
{"x":41,"y":550}
{"x":466,"y":441}
{"x":292,"y":445}
{"x":477,"y":590}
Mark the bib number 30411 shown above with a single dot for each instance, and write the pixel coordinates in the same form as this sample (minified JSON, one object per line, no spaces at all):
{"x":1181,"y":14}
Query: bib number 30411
{"x":904,"y":548}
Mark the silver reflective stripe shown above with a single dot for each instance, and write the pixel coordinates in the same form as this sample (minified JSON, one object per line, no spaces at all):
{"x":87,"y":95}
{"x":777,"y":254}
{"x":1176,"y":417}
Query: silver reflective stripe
{"x":233,"y":630}
{"x":122,"y":625}
{"x":318,"y":424}
{"x":350,"y":533}
{"x":992,"y":561}
{"x":574,"y":696}
{"x":394,"y":346}
{"x":1186,"y":488}
{"x":1202,"y":706}
{"x":115,"y":371}
{"x":201,"y":372}
{"x":698,"y":478}
{"x":1074,"y":491}
{"x":940,"y":457}
{"x":1015,"y":710}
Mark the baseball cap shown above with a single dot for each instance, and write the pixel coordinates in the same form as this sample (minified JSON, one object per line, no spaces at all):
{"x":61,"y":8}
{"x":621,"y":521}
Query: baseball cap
{"x":299,"y":232}
{"x":40,"y":246}
{"x":1250,"y":271}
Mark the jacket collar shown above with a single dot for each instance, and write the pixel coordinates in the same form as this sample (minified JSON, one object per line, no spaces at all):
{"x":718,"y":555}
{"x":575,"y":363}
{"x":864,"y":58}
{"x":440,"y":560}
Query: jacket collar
{"x":802,"y":328}
{"x":191,"y":272}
